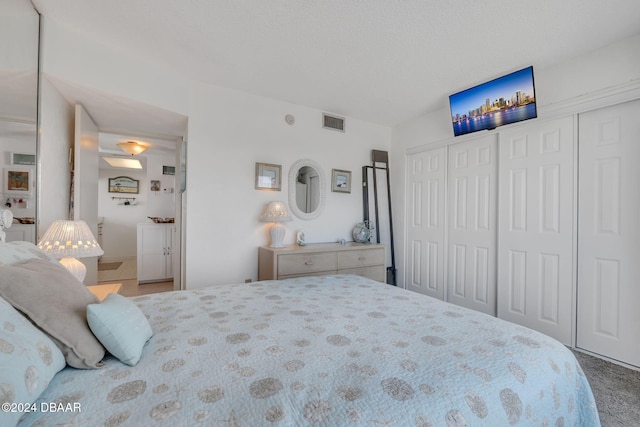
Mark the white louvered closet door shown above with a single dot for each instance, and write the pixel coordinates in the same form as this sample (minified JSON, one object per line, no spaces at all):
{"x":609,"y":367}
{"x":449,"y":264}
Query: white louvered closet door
{"x":426,"y":180}
{"x":535,"y":242}
{"x":609,"y":232}
{"x":471,"y":279}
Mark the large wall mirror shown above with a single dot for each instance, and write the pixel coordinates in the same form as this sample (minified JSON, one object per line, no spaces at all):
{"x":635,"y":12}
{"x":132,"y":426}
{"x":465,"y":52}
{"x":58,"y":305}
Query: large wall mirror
{"x":306,"y":189}
{"x":19,"y":35}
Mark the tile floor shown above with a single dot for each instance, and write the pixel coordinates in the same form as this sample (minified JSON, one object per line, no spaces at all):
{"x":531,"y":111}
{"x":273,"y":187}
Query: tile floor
{"x":126,"y":275}
{"x":131,"y":288}
{"x":128,"y":270}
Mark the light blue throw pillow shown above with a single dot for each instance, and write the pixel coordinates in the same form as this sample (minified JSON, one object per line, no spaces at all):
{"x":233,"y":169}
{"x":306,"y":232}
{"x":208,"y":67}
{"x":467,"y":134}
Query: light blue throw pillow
{"x":120,"y":326}
{"x":28,"y":362}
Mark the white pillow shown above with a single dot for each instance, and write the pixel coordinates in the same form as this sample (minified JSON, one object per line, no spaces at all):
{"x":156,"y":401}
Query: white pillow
{"x":120,"y":326}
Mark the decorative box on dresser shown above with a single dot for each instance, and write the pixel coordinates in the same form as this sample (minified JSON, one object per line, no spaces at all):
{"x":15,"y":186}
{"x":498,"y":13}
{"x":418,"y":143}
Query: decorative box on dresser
{"x":320,"y":259}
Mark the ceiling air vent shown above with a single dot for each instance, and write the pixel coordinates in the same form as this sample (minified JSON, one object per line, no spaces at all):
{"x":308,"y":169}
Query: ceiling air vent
{"x":332,"y":122}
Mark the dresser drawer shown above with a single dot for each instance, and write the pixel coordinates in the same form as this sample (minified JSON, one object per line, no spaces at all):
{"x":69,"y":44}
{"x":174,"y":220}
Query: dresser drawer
{"x":319,"y":259}
{"x":360,"y":258}
{"x":290,"y":264}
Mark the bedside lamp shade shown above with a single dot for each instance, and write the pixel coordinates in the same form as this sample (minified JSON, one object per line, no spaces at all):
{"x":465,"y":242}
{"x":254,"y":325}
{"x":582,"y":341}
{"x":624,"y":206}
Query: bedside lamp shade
{"x":68,"y":240}
{"x":276,"y":212}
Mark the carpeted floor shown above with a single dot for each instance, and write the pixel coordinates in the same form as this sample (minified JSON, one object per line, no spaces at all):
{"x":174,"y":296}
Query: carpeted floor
{"x":616,"y":390}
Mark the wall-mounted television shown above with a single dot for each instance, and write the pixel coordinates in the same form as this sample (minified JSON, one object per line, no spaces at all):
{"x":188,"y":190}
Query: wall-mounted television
{"x":507,"y":99}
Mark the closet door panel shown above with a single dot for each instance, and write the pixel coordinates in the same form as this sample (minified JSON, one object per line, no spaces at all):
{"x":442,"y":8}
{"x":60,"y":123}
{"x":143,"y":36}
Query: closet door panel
{"x":609,"y":233}
{"x":426,"y":177}
{"x":471,"y":279}
{"x":536,"y":211}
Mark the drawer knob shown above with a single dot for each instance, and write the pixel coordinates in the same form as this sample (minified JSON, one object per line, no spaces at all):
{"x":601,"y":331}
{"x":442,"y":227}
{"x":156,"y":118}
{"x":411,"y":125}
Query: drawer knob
{"x":308,"y":263}
{"x":361,"y":258}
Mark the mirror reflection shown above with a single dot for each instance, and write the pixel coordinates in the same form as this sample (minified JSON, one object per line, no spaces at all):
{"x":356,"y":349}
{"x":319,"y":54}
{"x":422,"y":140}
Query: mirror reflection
{"x":307,"y":189}
{"x":18,"y":115}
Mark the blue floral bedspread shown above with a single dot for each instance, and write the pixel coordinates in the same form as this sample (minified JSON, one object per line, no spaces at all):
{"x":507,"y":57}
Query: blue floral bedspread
{"x":330,"y":351}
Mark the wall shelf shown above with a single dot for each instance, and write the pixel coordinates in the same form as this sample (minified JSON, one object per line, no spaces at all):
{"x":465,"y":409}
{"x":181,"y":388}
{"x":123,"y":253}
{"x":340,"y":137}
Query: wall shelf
{"x":125,"y":201}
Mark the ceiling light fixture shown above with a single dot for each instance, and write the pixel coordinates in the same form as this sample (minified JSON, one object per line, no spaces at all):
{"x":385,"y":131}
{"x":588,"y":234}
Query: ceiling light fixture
{"x":121,"y":162}
{"x":132,"y":147}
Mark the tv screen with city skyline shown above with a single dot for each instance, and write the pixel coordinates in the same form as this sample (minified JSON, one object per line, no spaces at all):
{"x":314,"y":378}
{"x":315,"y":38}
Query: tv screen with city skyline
{"x":507,"y":99}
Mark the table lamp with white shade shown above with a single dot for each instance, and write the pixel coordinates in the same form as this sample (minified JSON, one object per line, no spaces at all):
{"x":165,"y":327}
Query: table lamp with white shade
{"x":276,"y":212}
{"x":67,"y":240}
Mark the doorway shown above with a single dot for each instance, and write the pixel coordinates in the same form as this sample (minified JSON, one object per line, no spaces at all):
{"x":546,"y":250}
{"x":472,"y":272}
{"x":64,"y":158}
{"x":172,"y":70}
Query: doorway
{"x":153,"y":191}
{"x":152,"y":198}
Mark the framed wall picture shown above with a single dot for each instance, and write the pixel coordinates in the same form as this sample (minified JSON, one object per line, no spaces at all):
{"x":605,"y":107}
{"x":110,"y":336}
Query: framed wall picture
{"x":340,"y":181}
{"x":268,"y":177}
{"x":23,"y":159}
{"x":123,"y":184}
{"x":168,"y":170}
{"x":155,"y":185}
{"x":18,"y":181}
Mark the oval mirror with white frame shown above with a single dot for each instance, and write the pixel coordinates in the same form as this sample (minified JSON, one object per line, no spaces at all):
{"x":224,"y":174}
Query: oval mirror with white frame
{"x":307,"y":189}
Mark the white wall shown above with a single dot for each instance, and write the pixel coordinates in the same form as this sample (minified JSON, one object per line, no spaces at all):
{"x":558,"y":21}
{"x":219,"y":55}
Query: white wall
{"x":160,"y":203}
{"x":56,"y":138}
{"x":120,"y":221}
{"x":77,"y":59}
{"x":229,"y":131}
{"x":18,"y":61}
{"x":563,"y":88}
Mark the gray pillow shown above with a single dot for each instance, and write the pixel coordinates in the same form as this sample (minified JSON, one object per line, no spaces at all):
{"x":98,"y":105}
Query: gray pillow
{"x":56,"y":302}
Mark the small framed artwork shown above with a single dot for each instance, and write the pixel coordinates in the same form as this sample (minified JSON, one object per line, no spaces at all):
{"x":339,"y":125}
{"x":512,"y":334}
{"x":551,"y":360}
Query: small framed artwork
{"x":268,"y":176}
{"x":168,"y":170}
{"x":23,"y":159}
{"x":340,"y":181}
{"x":123,"y":184}
{"x":17,"y":181}
{"x":155,"y":185}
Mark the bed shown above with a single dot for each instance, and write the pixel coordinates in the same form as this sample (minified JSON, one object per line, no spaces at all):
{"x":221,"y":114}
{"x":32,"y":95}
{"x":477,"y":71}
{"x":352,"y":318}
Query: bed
{"x":334,"y":351}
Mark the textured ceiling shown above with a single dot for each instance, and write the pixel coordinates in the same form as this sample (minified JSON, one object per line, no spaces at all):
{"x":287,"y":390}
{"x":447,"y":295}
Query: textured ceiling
{"x":384,"y":61}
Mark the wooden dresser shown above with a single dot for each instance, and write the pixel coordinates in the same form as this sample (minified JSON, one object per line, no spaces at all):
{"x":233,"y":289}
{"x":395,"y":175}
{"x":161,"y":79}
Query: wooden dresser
{"x":319,"y":259}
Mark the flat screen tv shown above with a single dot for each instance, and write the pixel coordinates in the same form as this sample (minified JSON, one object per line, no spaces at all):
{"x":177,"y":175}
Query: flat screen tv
{"x":507,"y":99}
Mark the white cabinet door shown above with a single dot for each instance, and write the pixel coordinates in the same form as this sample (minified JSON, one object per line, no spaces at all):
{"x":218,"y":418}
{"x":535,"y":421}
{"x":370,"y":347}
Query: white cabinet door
{"x":536,"y":227}
{"x":609,"y":233}
{"x":471,"y":272}
{"x":169,"y":251}
{"x":154,"y":252}
{"x":426,"y":185}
